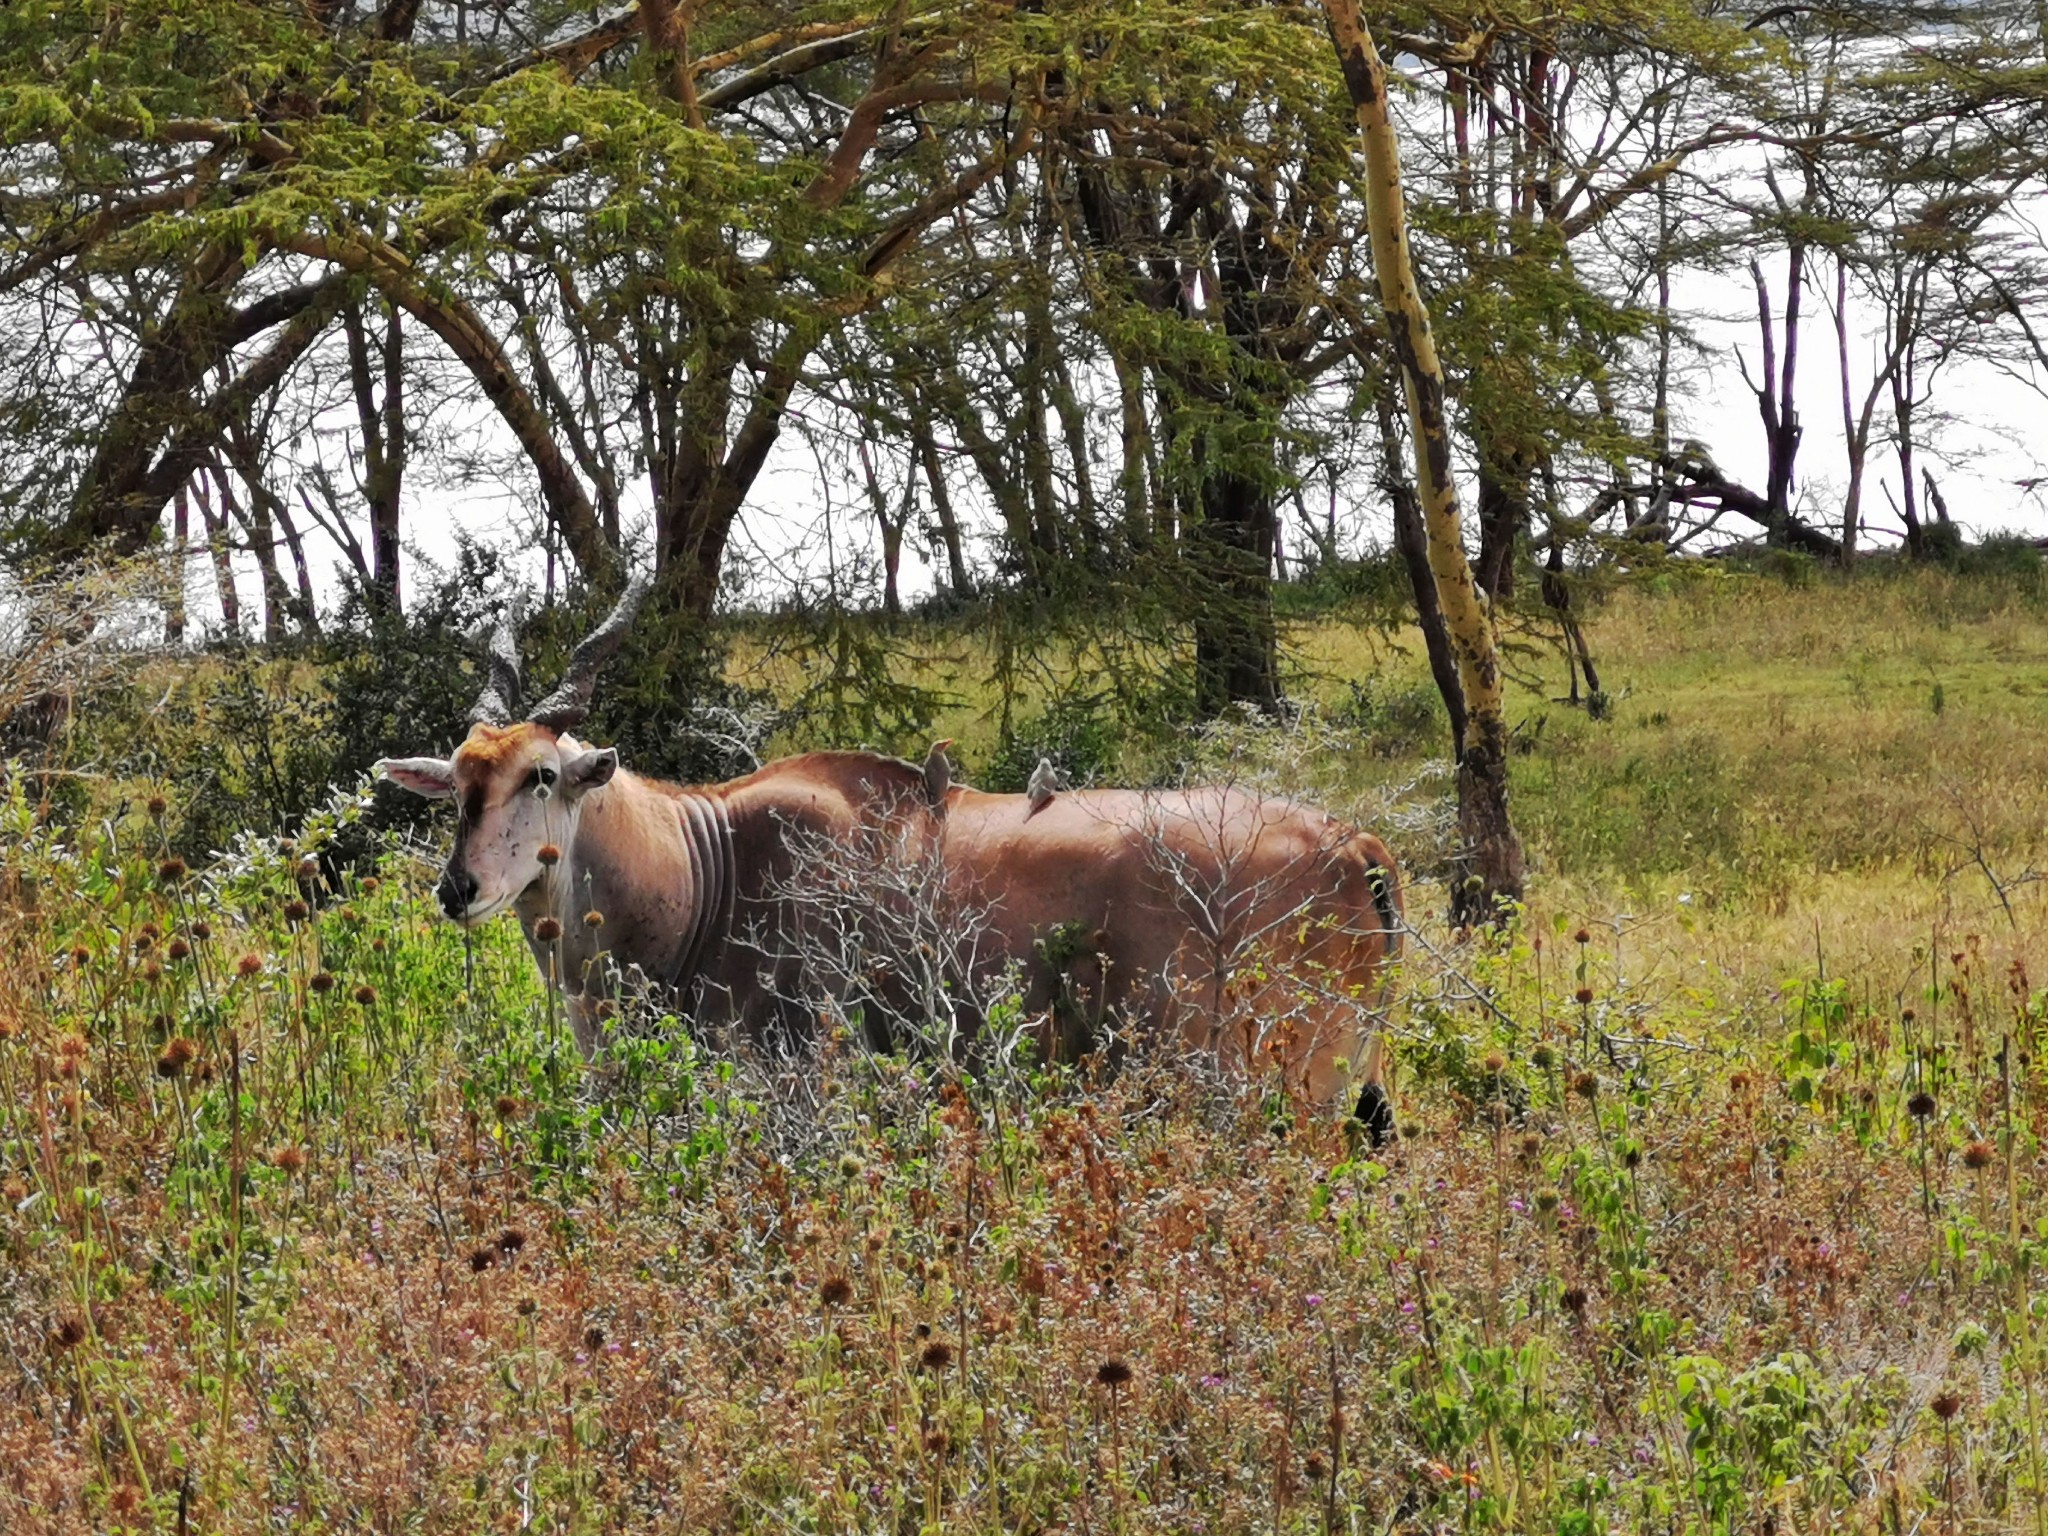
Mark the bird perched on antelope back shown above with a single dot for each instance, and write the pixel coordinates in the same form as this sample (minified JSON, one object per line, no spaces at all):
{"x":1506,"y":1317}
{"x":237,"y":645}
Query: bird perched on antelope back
{"x":1043,"y":785}
{"x":938,"y":775}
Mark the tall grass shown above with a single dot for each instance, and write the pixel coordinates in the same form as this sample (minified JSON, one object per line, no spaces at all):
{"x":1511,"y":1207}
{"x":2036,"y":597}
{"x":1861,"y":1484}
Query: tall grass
{"x":1710,"y":1211}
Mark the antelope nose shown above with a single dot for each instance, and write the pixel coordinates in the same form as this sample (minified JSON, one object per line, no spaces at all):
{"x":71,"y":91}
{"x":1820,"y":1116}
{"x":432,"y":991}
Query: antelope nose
{"x":457,"y":891}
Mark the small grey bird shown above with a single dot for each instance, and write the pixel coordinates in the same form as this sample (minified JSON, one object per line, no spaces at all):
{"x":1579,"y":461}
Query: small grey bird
{"x":938,"y":775}
{"x":1044,"y":784}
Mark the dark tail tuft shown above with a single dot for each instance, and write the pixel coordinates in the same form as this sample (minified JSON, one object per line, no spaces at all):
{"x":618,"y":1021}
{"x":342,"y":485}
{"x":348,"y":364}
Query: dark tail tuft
{"x":1376,"y":1113}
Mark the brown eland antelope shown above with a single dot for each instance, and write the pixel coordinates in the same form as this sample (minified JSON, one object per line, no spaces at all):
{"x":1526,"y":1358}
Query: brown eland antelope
{"x":1256,"y":928}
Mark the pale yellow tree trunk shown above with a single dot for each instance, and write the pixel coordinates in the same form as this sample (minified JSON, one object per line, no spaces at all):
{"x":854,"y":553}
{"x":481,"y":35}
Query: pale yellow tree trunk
{"x":1495,"y":853}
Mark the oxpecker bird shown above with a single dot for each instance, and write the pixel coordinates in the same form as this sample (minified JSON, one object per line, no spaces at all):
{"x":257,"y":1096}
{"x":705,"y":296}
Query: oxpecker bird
{"x":938,"y":775}
{"x":1044,"y":783}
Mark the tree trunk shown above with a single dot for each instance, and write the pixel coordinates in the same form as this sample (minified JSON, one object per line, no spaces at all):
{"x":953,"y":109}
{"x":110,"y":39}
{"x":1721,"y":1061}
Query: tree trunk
{"x":308,"y":612}
{"x":255,"y":522}
{"x":942,"y":507}
{"x":891,"y":526}
{"x":949,"y":395}
{"x":1230,"y":554}
{"x":1578,"y":656}
{"x":181,"y":545}
{"x":1074,"y":428}
{"x":1137,"y":450}
{"x":383,"y":429}
{"x":1902,"y":425}
{"x":223,"y":562}
{"x":1494,"y":874}
{"x":1411,"y":539}
{"x":1503,"y":514}
{"x":1775,"y":396}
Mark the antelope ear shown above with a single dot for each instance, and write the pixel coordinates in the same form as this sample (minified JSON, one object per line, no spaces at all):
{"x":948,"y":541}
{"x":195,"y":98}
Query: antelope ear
{"x":433,"y":777}
{"x":589,"y":770}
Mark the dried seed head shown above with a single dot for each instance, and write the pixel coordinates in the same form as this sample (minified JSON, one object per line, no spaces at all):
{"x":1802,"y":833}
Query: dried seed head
{"x":511,"y":1240}
{"x":287,"y":848}
{"x":296,"y":911}
{"x":835,"y":1291}
{"x":482,"y":1259}
{"x":851,"y":1167}
{"x":507,"y":1106}
{"x":937,"y":1355}
{"x":181,"y":1052}
{"x":156,"y":805}
{"x":1946,"y":1405}
{"x":370,"y":884}
{"x":178,"y":950}
{"x":365,"y":994}
{"x":1585,"y":1084}
{"x":171,"y":871}
{"x":527,"y":1306}
{"x":1315,"y":1467}
{"x":1114,"y":1372}
{"x":1543,"y":1058}
{"x":1546,"y":1200}
{"x":202,"y":930}
{"x":593,"y":1337}
{"x":309,"y":869}
{"x":1921,"y":1105}
{"x":1979,"y":1154}
{"x":249,"y":965}
{"x":593,"y":918}
{"x":1583,"y":997}
{"x":287,"y":1160}
{"x":80,"y":957}
{"x":547,"y":930}
{"x":68,"y":1334}
{"x":549,"y":855}
{"x":378,"y":945}
{"x":1574,"y":1298}
{"x":1583,"y":936}
{"x":322,"y":982}
{"x":937,"y":1442}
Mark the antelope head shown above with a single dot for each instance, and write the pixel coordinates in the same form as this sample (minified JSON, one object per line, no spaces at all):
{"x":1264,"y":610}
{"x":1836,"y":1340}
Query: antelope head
{"x":518,"y":783}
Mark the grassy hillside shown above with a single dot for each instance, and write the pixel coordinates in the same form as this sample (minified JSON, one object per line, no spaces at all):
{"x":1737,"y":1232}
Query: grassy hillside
{"x":1718,"y":1204}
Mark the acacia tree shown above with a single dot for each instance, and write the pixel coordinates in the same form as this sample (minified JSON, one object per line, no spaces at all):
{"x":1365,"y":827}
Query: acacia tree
{"x":1494,"y":851}
{"x":1215,"y":258}
{"x":216,"y":192}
